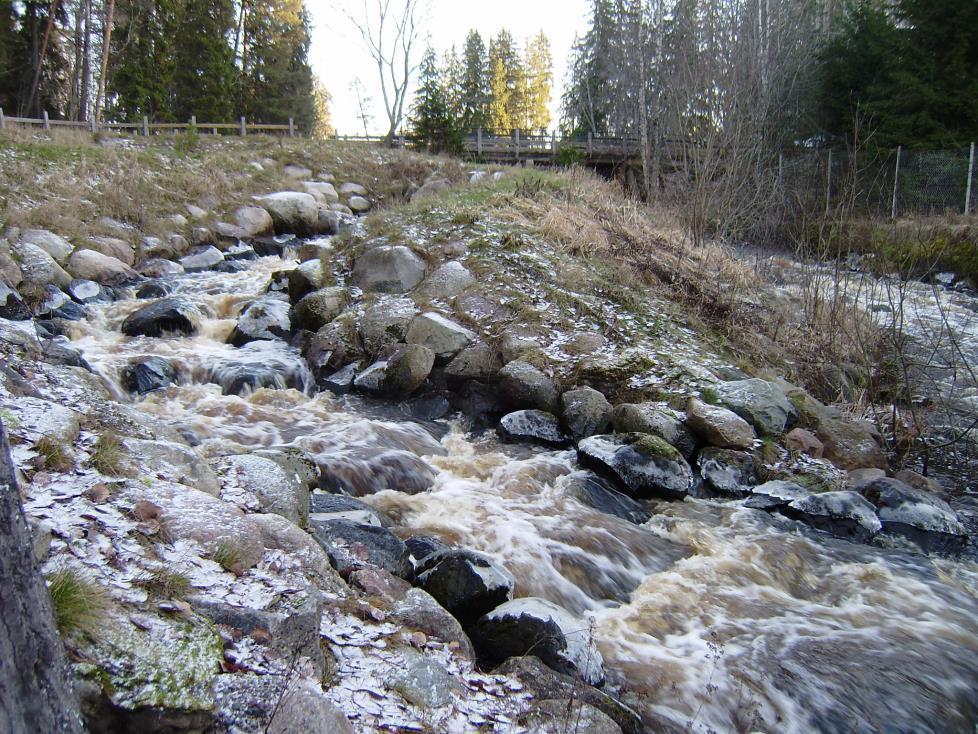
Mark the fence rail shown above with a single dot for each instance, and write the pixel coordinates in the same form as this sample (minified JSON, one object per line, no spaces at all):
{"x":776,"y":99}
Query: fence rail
{"x":242,"y":126}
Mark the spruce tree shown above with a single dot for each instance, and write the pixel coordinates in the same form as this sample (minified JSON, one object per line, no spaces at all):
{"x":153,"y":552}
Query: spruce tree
{"x":507,"y":91}
{"x":142,"y":64}
{"x":452,"y":75}
{"x":475,"y":82}
{"x":430,"y":121}
{"x":539,"y":74}
{"x":13,"y":57}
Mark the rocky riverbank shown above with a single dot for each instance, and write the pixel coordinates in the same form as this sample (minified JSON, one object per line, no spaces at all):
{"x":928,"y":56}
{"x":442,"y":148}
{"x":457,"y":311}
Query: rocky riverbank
{"x":315,"y":467}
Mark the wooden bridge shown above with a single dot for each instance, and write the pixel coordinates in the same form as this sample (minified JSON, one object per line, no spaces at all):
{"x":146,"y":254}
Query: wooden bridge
{"x":548,"y":148}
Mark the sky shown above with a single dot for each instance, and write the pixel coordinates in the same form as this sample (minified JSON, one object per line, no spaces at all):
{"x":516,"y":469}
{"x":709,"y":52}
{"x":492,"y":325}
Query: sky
{"x":338,"y":55}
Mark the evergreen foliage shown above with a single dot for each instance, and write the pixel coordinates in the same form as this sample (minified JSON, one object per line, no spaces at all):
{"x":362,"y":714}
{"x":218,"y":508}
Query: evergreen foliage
{"x":433,"y":126}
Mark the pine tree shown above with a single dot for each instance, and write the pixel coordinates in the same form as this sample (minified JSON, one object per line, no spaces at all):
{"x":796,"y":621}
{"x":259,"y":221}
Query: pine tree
{"x":475,"y":82}
{"x":13,"y":54}
{"x":507,"y":85}
{"x":539,"y":74}
{"x":205,"y":80}
{"x":430,"y":121}
{"x":452,"y":74}
{"x":141,"y":75}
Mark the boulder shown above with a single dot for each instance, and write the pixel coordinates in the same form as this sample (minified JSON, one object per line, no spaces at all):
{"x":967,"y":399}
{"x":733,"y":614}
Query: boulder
{"x":585,"y":412}
{"x":728,"y":472}
{"x":447,"y":281}
{"x":322,"y":190}
{"x":326,"y":506}
{"x":521,"y":385}
{"x":173,"y":246}
{"x":55,"y":304}
{"x":358,"y":204}
{"x":54,"y":245}
{"x":264,"y":319}
{"x":202,"y":258}
{"x":278,"y":493}
{"x":718,"y":426}
{"x":256,"y":365}
{"x":388,"y":269}
{"x":334,"y":346}
{"x":173,"y":462}
{"x":916,"y":514}
{"x":88,"y":291}
{"x":386,"y":322}
{"x":533,"y":426}
{"x":341,"y":381}
{"x":546,"y":684}
{"x":253,"y":221}
{"x":851,"y":444}
{"x":294,"y":170}
{"x":418,"y":610}
{"x":476,"y":362}
{"x":363,"y":471}
{"x":424,"y":682}
{"x":148,"y":374}
{"x":314,"y":310}
{"x":12,"y":306}
{"x":598,"y":493}
{"x":304,"y":707}
{"x":442,"y":336}
{"x":166,"y":316}
{"x":775,"y":495}
{"x":351,"y":546}
{"x":513,"y":345}
{"x":801,"y":441}
{"x":406,"y":370}
{"x":551,"y":633}
{"x":643,"y":463}
{"x":292,"y":212}
{"x":431,"y":188}
{"x":555,"y":716}
{"x":158,"y":268}
{"x":761,"y":403}
{"x":655,"y":419}
{"x":38,"y":267}
{"x":466,"y":583}
{"x":10,"y":274}
{"x":371,"y":380}
{"x":422,"y":546}
{"x":104,"y":269}
{"x":308,"y":277}
{"x":350,"y":188}
{"x":121,"y":250}
{"x":154,"y":289}
{"x":328,"y":222}
{"x":843,"y":514}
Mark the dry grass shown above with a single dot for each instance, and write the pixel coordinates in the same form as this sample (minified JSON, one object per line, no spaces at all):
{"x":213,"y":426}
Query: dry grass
{"x":165,"y":583}
{"x":54,"y":453}
{"x":107,"y":454}
{"x":79,"y":602}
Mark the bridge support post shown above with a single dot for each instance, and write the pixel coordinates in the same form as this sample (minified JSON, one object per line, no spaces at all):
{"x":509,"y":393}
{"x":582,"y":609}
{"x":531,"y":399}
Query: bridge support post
{"x":291,"y":128}
{"x":47,"y":122}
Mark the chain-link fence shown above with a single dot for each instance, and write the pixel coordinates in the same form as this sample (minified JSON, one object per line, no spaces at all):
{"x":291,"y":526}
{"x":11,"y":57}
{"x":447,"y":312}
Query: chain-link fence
{"x":891,"y":183}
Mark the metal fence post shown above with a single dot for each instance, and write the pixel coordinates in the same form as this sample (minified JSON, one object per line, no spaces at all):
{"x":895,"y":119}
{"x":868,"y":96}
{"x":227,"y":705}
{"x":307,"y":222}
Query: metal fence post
{"x":243,"y":131}
{"x":828,"y":185}
{"x":47,"y":122}
{"x":145,"y":126}
{"x":291,"y":128}
{"x":967,"y":195}
{"x":896,"y":183}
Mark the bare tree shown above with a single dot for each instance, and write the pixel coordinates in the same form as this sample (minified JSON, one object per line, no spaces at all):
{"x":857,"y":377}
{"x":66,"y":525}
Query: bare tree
{"x":390,"y":35}
{"x":364,"y":102}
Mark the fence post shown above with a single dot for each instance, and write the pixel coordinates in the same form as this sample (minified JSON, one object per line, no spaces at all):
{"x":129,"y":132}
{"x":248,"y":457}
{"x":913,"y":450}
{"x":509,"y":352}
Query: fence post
{"x":47,"y":122}
{"x":828,"y":185}
{"x":145,"y":126}
{"x":478,"y":141}
{"x":517,"y":131}
{"x":896,"y":183}
{"x":193,"y":121}
{"x":590,"y":143}
{"x":967,"y":195}
{"x":242,"y":128}
{"x":1,"y":118}
{"x":553,"y":143}
{"x":291,"y":128}
{"x":93,"y":125}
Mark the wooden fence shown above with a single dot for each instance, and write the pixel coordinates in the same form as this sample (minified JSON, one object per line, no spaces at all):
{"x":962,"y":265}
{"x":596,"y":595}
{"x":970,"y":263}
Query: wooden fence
{"x":242,"y":126}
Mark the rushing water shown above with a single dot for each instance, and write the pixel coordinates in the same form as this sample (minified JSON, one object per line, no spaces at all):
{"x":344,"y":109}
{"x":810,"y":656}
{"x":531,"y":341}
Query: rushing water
{"x":709,"y":617}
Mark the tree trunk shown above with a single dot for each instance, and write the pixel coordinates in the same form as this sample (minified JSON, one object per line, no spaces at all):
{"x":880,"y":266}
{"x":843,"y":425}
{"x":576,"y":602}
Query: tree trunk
{"x":35,"y":686}
{"x":34,"y":101}
{"x":106,"y":42}
{"x":86,"y":72}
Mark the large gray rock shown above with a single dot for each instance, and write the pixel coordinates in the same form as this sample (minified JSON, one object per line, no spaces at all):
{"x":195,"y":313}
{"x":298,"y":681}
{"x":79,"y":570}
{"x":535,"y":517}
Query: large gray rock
{"x":292,"y":212}
{"x":419,"y":610}
{"x":147,"y":374}
{"x":121,"y":250}
{"x":314,"y":310}
{"x":202,"y":258}
{"x":358,"y":204}
{"x":655,"y":419}
{"x":350,"y":188}
{"x":54,"y":245}
{"x":844,"y":514}
{"x":322,"y":190}
{"x":365,"y":471}
{"x":466,"y":583}
{"x":88,"y":291}
{"x":386,"y":322}
{"x":166,"y":316}
{"x":253,"y":221}
{"x":476,"y":362}
{"x":12,"y":306}
{"x":541,"y":628}
{"x":431,"y":188}
{"x":424,"y":682}
{"x":264,"y":319}
{"x":915,"y":514}
{"x":9,"y":270}
{"x":533,"y":426}
{"x":851,"y":444}
{"x":38,"y":267}
{"x":643,"y":463}
{"x":585,"y":412}
{"x":718,"y":426}
{"x":521,"y":385}
{"x":407,"y":369}
{"x":103,"y":269}
{"x":278,"y":493}
{"x":442,"y":336}
{"x":598,"y":493}
{"x":727,"y":472}
{"x":776,"y":494}
{"x":352,"y":546}
{"x":556,"y":716}
{"x":761,"y":403}
{"x":388,"y":269}
{"x":308,"y":277}
{"x":172,"y":461}
{"x":447,"y":281}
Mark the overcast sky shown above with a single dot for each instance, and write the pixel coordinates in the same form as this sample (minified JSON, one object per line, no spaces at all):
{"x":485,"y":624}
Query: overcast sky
{"x":338,"y":56}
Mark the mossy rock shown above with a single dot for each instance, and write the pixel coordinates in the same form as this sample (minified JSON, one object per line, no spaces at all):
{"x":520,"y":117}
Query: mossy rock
{"x":654,"y":447}
{"x":610,"y":374}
